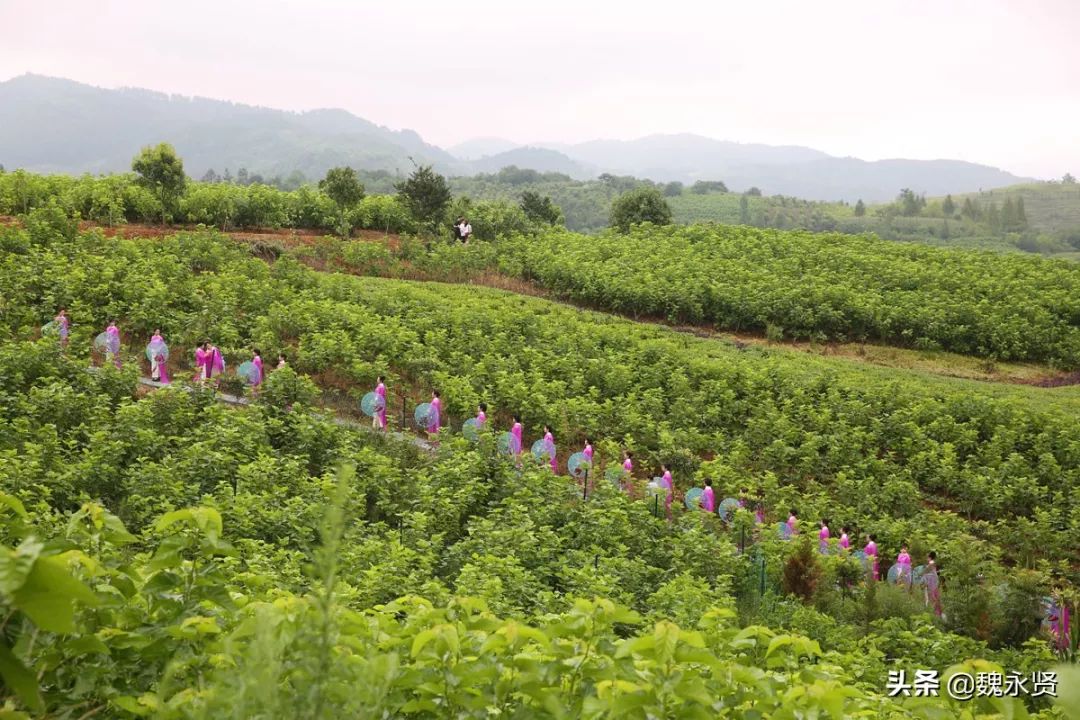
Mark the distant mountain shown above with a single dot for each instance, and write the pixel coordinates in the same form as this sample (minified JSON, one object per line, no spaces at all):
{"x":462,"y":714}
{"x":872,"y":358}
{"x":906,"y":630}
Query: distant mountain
{"x":53,"y":125}
{"x":481,"y":147}
{"x":533,"y":158}
{"x":782,"y":170}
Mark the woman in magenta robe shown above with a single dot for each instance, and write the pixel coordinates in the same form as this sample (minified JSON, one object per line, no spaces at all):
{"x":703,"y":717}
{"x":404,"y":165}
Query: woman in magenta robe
{"x":114,"y":343}
{"x":434,"y":420}
{"x":380,"y":414}
{"x":516,"y":432}
{"x":549,"y":447}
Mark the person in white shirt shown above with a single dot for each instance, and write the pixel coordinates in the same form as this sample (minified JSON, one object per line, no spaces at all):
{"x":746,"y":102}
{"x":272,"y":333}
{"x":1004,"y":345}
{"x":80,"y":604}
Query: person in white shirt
{"x":465,"y":230}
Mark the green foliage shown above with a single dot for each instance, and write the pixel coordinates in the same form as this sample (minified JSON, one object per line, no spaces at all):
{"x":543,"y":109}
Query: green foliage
{"x":231,"y":568}
{"x":643,"y":205}
{"x":161,"y":171}
{"x":540,"y":209}
{"x":802,"y":570}
{"x":342,"y":186}
{"x":704,"y":187}
{"x":816,"y":286}
{"x":426,"y":195}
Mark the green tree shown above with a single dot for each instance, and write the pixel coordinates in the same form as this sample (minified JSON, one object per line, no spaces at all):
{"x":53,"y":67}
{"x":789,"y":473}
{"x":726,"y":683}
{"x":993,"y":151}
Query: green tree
{"x":754,"y":192}
{"x":860,"y":208}
{"x":970,"y":210}
{"x":1008,"y":215}
{"x":948,"y":206}
{"x":744,"y":211}
{"x":704,"y":187}
{"x":1068,"y":179}
{"x":539,"y":208}
{"x":426,"y":195}
{"x":161,"y":171}
{"x":342,"y":186}
{"x":910,"y":203}
{"x":645,"y":204}
{"x":673,"y":189}
{"x":1021,"y":214}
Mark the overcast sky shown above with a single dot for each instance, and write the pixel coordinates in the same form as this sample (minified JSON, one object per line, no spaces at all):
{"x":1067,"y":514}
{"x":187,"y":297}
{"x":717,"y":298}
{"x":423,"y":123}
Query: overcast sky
{"x":991,"y":81}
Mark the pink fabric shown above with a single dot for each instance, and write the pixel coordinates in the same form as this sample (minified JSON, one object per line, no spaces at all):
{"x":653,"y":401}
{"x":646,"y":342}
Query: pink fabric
{"x":549,"y":446}
{"x":436,"y":416}
{"x":215,"y":363}
{"x":708,"y":500}
{"x":823,"y":534}
{"x":759,"y":515}
{"x":257,"y":362}
{"x":667,"y":481}
{"x":380,"y":391}
{"x":845,"y":542}
{"x":202,"y":358}
{"x":515,"y":434}
{"x":64,"y":325}
{"x":793,"y":524}
{"x":587,"y":452}
{"x":481,"y":418}
{"x":628,"y":465}
{"x":904,"y":559}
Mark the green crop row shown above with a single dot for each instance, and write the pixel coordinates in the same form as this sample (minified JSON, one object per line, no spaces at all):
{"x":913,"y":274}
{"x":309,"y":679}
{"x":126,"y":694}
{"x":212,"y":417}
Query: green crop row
{"x":818,"y":286}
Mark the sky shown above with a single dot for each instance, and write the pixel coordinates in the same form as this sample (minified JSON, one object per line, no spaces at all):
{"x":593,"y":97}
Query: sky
{"x":990,"y":81}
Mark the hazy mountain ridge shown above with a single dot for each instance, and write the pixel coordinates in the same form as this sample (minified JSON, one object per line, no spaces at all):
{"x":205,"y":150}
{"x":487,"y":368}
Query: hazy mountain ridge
{"x":54,"y":125}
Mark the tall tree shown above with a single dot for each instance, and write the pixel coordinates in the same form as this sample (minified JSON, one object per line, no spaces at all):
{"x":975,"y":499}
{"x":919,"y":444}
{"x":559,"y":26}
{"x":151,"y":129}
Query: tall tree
{"x":343,"y":187}
{"x":744,"y":210}
{"x":1021,"y":214}
{"x":948,"y":206}
{"x":860,"y":208}
{"x":426,"y":195}
{"x":161,"y":170}
{"x":1068,"y":179}
{"x":540,"y":209}
{"x":970,"y":210}
{"x":673,"y":189}
{"x":644,"y":204}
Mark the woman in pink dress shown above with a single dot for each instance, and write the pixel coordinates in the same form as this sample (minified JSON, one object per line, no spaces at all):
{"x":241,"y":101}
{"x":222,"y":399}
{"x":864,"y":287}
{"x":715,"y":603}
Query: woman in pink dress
{"x":549,"y":448}
{"x":216,"y":363}
{"x":904,"y":561}
{"x":481,"y":416}
{"x":845,"y":541}
{"x":379,"y":420}
{"x":159,"y":371}
{"x":587,"y":451}
{"x":628,"y":471}
{"x":708,"y":497}
{"x":435,"y":419}
{"x":258,"y":363}
{"x":793,"y":522}
{"x":202,"y":362}
{"x":823,"y":536}
{"x":871,"y":552}
{"x":114,"y":336}
{"x":932,"y":584}
{"x":515,"y":436}
{"x":669,"y":484}
{"x":63,"y":327}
